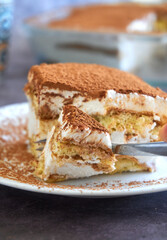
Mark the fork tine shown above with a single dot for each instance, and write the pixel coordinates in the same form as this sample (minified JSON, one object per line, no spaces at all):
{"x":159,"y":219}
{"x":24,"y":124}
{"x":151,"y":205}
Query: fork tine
{"x":41,"y":141}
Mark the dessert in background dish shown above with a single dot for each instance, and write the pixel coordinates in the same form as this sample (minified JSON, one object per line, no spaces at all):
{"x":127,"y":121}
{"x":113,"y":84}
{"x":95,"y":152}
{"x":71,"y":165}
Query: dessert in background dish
{"x":80,"y":147}
{"x":123,"y":17}
{"x":131,"y":110}
{"x":129,"y":21}
{"x":128,"y":36}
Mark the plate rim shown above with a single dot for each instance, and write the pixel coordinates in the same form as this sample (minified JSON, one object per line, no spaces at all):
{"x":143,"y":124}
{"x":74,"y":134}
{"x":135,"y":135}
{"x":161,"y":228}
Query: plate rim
{"x":87,"y":192}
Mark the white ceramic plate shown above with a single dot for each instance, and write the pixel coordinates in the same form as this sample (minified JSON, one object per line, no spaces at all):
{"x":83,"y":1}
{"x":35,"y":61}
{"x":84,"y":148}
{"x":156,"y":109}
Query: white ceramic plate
{"x":14,"y":173}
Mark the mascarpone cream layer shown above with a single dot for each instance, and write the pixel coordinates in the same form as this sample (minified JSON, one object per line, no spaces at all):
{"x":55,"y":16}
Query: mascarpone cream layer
{"x":55,"y":99}
{"x":145,"y":24}
{"x":40,"y":128}
{"x":149,"y":161}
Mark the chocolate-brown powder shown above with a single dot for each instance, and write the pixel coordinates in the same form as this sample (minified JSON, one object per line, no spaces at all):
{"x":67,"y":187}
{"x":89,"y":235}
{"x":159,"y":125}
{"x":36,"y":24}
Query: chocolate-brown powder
{"x":78,"y":119}
{"x":107,"y":17}
{"x":90,"y":79}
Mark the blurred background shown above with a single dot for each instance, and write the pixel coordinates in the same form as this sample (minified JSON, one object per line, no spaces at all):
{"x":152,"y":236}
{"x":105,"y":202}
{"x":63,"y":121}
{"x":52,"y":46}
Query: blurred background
{"x":145,"y":56}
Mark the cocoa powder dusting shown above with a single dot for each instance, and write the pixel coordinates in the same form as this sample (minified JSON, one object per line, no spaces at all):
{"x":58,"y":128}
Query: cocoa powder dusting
{"x":91,"y":80}
{"x":106,"y":18}
{"x":76,"y":118}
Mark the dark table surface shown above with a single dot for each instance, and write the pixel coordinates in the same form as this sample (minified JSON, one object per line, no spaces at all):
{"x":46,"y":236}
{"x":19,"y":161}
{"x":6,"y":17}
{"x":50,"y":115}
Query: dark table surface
{"x":26,"y":215}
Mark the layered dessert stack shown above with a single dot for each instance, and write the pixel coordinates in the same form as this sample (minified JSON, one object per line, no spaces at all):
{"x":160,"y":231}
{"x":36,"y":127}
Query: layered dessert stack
{"x":130,"y":110}
{"x":79,"y":147}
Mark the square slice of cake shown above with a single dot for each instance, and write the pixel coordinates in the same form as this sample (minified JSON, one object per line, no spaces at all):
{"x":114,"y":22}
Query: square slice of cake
{"x":131,"y":110}
{"x":81,"y":147}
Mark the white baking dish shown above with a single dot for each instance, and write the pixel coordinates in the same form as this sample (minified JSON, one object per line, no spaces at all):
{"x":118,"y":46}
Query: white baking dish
{"x":142,"y":54}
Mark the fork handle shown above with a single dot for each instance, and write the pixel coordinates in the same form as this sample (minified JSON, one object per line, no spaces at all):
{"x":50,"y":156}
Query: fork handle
{"x":156,"y":148}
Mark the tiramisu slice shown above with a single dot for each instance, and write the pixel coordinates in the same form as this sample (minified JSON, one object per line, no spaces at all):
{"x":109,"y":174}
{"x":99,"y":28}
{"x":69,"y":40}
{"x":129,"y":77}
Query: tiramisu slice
{"x":130,"y":109}
{"x":81,"y":147}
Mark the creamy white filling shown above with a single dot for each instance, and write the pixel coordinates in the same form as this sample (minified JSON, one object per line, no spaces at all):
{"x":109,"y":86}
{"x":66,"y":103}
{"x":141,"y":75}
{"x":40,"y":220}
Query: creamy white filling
{"x":56,"y":103}
{"x":33,"y":122}
{"x":149,"y":161}
{"x":73,"y":171}
{"x":157,"y":118}
{"x":118,"y":137}
{"x":86,"y":136}
{"x":132,"y":102}
{"x":145,"y":24}
{"x":49,"y":164}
